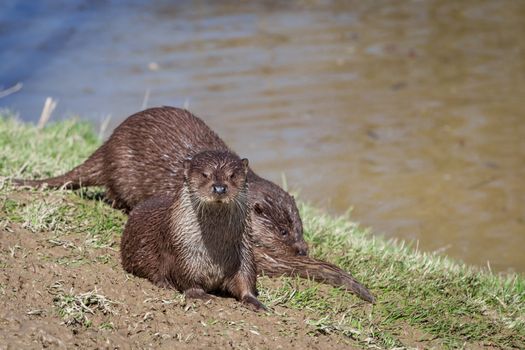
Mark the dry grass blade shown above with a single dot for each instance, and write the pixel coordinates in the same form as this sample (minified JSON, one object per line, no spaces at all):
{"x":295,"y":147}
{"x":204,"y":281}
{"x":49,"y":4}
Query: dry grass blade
{"x":75,"y":308}
{"x":49,"y":107}
{"x":17,"y":87}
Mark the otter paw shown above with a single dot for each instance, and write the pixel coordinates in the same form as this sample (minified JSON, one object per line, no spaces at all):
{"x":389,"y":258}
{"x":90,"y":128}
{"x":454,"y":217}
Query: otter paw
{"x":251,"y":302}
{"x":197,"y":293}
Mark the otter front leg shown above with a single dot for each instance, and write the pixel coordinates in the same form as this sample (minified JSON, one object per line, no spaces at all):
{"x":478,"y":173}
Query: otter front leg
{"x":197,"y":293}
{"x":243,"y":289}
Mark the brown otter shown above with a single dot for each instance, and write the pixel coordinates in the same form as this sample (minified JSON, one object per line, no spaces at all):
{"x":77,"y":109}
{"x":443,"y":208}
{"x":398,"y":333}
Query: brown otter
{"x":144,"y":157}
{"x":145,"y":153}
{"x":197,"y":239}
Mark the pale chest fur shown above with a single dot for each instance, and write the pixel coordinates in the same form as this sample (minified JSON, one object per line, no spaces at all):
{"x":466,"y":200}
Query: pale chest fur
{"x":208,"y":241}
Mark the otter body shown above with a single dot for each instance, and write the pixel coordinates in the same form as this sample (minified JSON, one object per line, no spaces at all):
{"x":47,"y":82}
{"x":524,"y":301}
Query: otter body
{"x":144,"y":157}
{"x":197,"y":239}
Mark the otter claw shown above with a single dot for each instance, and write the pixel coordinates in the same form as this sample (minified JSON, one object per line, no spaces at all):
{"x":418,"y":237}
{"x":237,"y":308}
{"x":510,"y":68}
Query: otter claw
{"x":251,"y":302}
{"x":197,"y":293}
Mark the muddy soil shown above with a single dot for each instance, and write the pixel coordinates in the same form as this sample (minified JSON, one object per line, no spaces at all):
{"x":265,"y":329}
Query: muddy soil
{"x":42,"y":274}
{"x":143,"y":315}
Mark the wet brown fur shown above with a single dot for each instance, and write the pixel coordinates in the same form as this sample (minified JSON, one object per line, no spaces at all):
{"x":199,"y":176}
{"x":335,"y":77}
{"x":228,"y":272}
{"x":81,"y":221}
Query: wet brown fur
{"x":275,"y":265}
{"x":197,"y":240}
{"x":143,"y":157}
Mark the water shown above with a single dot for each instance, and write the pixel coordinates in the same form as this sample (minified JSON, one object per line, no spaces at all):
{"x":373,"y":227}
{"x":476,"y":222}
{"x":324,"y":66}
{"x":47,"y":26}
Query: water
{"x":409,"y":112}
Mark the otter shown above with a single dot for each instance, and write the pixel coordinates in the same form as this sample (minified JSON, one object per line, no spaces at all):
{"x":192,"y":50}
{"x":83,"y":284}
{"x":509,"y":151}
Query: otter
{"x":143,"y":157}
{"x":197,"y":239}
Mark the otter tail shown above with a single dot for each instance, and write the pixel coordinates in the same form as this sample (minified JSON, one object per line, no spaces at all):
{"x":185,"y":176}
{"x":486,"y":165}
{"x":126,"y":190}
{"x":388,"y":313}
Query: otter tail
{"x":86,"y":174}
{"x":307,"y":267}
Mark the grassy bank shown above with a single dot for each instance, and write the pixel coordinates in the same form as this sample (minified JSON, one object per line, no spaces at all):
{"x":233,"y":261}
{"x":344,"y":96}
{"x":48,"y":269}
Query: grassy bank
{"x":423,"y":300}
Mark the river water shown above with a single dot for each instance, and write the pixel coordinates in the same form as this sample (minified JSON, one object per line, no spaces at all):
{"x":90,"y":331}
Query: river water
{"x":410,"y":112}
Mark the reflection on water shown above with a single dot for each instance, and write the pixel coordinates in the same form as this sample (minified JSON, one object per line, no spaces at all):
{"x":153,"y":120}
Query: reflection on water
{"x":411,"y":112}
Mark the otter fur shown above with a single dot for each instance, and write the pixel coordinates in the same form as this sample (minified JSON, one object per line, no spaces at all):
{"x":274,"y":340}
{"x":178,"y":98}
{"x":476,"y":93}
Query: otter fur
{"x":144,"y":157}
{"x":197,"y":239}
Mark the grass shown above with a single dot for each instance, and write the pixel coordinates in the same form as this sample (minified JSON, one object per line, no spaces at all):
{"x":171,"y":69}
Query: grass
{"x":441,"y":302}
{"x":75,"y":308}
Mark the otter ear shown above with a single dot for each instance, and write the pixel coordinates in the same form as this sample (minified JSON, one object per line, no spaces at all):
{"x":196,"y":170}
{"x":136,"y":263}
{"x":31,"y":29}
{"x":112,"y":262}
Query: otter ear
{"x":245,"y":164}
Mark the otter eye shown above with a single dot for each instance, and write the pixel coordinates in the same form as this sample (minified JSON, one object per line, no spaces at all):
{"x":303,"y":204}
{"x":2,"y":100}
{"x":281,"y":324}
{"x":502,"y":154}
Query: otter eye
{"x":284,"y":232}
{"x":204,"y":175}
{"x":258,"y":209}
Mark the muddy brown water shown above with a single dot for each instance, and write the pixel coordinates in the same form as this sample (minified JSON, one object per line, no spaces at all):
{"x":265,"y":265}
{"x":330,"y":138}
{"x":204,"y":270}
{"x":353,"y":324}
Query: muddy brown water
{"x":410,"y":112}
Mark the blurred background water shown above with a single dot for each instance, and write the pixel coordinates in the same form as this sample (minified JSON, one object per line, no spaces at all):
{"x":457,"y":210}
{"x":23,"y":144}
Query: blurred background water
{"x":409,"y":112}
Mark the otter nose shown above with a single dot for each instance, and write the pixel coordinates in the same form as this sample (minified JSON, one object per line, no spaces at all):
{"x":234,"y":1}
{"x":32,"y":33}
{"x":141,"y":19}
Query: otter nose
{"x":219,"y":189}
{"x":301,"y":249}
{"x":302,"y":252}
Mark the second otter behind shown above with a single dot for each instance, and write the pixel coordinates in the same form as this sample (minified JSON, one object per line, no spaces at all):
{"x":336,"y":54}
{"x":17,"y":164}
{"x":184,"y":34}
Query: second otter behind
{"x":198,"y":239}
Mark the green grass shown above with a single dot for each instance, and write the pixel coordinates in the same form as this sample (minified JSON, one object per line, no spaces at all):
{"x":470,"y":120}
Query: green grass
{"x":444,"y":303}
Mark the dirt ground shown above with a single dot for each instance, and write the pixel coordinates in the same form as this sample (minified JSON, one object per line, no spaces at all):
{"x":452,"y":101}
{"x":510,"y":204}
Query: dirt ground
{"x":62,"y":287}
{"x":40,"y":277}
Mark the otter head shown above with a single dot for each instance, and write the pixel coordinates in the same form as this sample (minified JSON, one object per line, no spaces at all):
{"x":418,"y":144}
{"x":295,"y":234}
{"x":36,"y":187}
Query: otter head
{"x":216,"y":176}
{"x":275,"y":218}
